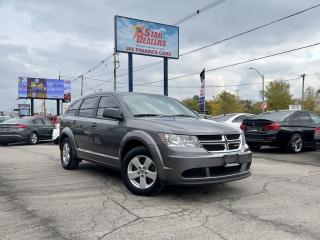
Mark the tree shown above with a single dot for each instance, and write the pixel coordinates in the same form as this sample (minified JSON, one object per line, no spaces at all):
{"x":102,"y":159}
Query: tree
{"x":224,"y":103}
{"x":311,"y":99}
{"x":192,"y":103}
{"x":278,"y":95}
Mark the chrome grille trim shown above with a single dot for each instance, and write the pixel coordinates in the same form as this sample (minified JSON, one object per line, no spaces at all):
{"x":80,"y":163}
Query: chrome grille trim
{"x":224,"y":141}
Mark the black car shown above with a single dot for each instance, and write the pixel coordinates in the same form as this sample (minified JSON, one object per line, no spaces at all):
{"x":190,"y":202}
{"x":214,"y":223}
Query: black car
{"x":317,"y":137}
{"x":288,"y":129}
{"x":27,"y":129}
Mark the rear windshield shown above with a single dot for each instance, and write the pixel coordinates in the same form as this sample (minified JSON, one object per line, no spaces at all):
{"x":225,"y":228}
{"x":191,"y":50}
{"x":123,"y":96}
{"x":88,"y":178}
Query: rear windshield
{"x":223,"y":118}
{"x":275,"y":116}
{"x":18,"y":121}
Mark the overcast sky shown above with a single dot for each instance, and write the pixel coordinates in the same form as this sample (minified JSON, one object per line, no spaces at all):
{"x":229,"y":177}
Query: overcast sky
{"x":42,"y":38}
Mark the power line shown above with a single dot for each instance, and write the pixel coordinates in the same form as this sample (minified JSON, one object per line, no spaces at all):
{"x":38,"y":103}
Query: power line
{"x":242,"y":62}
{"x":142,"y":67}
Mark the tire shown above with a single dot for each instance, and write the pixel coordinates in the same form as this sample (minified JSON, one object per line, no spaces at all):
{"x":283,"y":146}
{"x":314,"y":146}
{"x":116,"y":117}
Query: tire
{"x":143,"y":180}
{"x":295,"y":144}
{"x":56,"y":141}
{"x":254,"y":147}
{"x":33,"y":139}
{"x":68,"y":156}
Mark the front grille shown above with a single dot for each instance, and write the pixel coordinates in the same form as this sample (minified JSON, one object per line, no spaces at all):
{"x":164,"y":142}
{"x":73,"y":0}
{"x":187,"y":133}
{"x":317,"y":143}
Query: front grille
{"x":220,"y":143}
{"x":213,"y":171}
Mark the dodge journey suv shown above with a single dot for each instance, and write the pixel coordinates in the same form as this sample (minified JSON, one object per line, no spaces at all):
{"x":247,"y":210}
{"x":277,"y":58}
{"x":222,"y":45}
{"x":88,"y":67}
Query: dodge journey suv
{"x":153,"y":140}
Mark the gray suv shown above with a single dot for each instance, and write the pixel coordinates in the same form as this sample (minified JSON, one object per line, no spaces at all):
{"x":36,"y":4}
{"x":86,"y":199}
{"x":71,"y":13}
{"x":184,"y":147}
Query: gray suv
{"x":153,"y":140}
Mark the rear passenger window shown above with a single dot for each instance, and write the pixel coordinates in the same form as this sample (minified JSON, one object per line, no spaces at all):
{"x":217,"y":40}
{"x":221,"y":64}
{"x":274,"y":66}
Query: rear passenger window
{"x":73,"y":108}
{"x":87,"y":107}
{"x":304,"y":117}
{"x":38,"y":121}
{"x":106,"y":102}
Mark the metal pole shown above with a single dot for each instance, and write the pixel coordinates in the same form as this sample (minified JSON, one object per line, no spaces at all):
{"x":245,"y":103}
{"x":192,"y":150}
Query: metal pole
{"x":302,"y":93}
{"x":114,"y":72}
{"x":58,"y":107}
{"x":262,"y":88}
{"x":61,"y":106}
{"x":81,"y":85}
{"x":32,"y":106}
{"x":130,"y":71}
{"x":165,"y":76}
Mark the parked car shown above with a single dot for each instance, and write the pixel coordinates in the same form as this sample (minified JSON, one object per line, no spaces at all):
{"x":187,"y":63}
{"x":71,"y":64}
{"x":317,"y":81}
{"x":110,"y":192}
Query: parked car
{"x":153,"y":140}
{"x":288,"y":129}
{"x":234,"y":119}
{"x":26,"y":129}
{"x":4,"y":118}
{"x":56,"y":132}
{"x":317,"y":137}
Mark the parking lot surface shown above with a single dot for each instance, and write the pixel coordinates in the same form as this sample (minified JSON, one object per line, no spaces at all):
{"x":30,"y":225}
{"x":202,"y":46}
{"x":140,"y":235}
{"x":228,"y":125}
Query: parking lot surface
{"x":40,"y":200}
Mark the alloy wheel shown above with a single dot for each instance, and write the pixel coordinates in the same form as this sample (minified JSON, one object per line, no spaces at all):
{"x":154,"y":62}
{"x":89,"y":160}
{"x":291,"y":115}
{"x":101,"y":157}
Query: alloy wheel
{"x":142,"y":172}
{"x":34,"y":138}
{"x":297,"y":143}
{"x":66,"y":154}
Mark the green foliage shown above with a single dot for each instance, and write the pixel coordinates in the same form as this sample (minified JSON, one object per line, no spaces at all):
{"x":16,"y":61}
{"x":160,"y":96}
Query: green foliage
{"x":192,"y":103}
{"x":311,"y":99}
{"x":278,"y":95}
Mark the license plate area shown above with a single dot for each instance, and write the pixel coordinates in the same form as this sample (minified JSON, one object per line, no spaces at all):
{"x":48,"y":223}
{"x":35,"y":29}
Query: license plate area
{"x":231,"y":160}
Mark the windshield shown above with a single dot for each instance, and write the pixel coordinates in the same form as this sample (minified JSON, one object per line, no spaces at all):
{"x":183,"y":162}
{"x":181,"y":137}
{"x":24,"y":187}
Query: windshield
{"x":275,"y":116}
{"x":155,"y":105}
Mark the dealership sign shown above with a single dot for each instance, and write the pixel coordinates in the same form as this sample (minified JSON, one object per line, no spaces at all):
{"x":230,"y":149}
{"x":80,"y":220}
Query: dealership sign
{"x":146,"y":38}
{"x":24,"y":109}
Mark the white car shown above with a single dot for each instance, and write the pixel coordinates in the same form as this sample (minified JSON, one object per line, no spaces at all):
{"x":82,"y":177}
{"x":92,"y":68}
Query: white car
{"x":56,"y":133}
{"x":234,"y":119}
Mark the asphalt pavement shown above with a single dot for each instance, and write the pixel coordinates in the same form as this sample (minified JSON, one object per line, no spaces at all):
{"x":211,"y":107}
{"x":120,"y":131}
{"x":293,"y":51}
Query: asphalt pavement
{"x":41,"y":200}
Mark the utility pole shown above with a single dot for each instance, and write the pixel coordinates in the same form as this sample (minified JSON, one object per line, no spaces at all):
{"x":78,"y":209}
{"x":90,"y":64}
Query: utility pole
{"x":237,"y":92}
{"x":115,"y":67}
{"x":262,"y":76}
{"x":302,"y":93}
{"x":81,"y":85}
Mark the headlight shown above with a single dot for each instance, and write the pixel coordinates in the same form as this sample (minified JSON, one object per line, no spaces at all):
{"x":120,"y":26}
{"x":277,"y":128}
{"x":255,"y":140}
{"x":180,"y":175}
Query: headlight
{"x":179,"y":140}
{"x":244,"y":146}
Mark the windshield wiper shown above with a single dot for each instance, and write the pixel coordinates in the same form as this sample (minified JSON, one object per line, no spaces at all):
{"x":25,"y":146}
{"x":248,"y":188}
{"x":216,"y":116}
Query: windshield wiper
{"x":147,"y":115}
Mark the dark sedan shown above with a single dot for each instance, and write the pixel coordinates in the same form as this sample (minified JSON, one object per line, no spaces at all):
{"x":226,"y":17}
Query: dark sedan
{"x":317,"y":137}
{"x":27,"y":129}
{"x":291,"y":130}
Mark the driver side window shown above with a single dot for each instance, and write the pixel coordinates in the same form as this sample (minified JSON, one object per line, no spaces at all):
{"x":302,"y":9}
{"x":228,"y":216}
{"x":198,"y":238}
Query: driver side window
{"x":106,"y":102}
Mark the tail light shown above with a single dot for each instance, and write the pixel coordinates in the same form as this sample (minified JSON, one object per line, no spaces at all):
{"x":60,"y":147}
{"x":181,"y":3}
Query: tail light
{"x":317,"y":132}
{"x":243,"y":127}
{"x":271,"y":127}
{"x":21,"y":126}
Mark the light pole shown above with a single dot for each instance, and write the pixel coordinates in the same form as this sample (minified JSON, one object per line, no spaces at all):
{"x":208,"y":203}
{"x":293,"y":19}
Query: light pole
{"x":262,"y":77}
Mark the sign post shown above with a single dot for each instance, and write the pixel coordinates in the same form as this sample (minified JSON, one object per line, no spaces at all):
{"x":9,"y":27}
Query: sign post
{"x":135,"y":36}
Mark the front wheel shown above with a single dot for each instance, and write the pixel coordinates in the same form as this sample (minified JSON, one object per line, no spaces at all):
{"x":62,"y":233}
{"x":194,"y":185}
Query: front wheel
{"x":68,"y":156}
{"x":139,"y":172}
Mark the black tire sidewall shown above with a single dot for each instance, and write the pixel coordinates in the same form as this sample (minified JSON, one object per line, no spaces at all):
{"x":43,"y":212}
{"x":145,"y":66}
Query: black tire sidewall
{"x":154,"y":189}
{"x":290,"y":148}
{"x":73,"y":161}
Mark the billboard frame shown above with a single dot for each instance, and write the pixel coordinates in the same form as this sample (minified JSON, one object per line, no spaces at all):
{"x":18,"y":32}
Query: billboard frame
{"x":116,"y":37}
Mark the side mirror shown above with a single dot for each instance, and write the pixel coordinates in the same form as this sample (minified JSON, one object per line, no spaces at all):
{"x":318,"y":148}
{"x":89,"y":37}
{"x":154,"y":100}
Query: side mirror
{"x":113,"y":113}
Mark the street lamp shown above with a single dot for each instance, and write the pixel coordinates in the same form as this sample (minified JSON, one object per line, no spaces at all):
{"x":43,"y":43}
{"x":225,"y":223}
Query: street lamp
{"x":262,"y":77}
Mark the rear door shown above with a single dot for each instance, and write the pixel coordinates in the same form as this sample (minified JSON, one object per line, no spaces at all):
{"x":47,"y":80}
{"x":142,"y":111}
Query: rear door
{"x":39,"y":126}
{"x":83,"y":123}
{"x":48,"y":129}
{"x":107,"y":133}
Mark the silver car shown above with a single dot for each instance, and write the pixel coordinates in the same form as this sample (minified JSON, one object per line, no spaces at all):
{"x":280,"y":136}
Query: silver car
{"x":153,"y":140}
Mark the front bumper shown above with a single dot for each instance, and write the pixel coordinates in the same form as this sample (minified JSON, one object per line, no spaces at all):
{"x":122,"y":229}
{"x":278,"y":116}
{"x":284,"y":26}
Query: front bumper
{"x":190,"y":168}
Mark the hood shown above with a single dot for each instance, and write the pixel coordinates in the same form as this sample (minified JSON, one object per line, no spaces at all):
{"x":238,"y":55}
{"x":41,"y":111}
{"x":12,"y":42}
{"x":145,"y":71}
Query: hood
{"x":186,"y":125}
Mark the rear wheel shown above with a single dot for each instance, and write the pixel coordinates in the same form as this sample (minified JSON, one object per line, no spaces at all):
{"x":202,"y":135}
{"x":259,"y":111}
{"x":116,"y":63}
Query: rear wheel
{"x":68,"y":156}
{"x":33,"y":139}
{"x":295,"y":144}
{"x":139,"y":172}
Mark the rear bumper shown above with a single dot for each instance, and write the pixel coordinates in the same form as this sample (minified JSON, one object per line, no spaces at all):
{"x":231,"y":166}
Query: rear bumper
{"x":262,"y":139}
{"x":205,"y":168}
{"x":317,"y":141}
